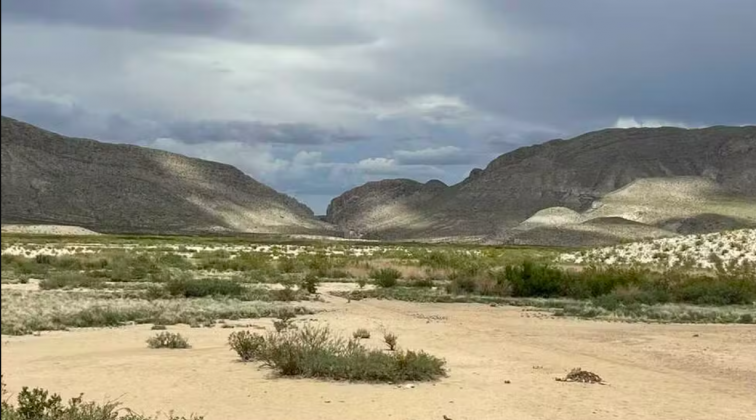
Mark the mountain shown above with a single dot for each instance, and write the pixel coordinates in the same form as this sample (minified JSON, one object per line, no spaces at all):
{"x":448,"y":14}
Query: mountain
{"x":48,"y":178}
{"x":710,"y":171}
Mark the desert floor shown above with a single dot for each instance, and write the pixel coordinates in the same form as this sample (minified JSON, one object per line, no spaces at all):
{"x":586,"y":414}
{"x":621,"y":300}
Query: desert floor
{"x":652,"y":371}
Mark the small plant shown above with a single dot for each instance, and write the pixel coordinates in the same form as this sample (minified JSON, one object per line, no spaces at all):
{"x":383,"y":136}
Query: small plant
{"x":166,"y":340}
{"x":361,"y":282}
{"x":284,"y":322}
{"x":386,"y":277}
{"x":287,"y":294}
{"x":246,"y":344}
{"x":361,"y":333}
{"x":310,"y":283}
{"x":158,"y":327}
{"x":390,"y":340}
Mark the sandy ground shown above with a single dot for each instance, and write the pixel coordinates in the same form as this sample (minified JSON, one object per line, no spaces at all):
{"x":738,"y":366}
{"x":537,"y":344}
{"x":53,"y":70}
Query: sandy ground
{"x":652,"y":371}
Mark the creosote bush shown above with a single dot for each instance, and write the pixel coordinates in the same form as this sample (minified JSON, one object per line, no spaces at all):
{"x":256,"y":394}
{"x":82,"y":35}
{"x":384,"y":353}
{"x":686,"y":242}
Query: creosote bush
{"x":361,"y":333}
{"x":314,"y":352}
{"x":310,"y":283}
{"x":167,"y":340}
{"x":386,"y":277}
{"x":247,"y":345}
{"x":194,"y":288}
{"x":39,"y":404}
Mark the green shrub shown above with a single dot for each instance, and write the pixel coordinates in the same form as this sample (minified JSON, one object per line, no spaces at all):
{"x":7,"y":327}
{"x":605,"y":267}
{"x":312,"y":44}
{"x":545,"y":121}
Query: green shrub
{"x":386,"y":277}
{"x":192,"y":288}
{"x":310,"y":283}
{"x":247,"y":345}
{"x":167,"y":340}
{"x":427,"y":283}
{"x":287,"y":294}
{"x":315,"y":353}
{"x":70,"y":280}
{"x":39,"y":404}
{"x":361,"y":333}
{"x":284,"y":322}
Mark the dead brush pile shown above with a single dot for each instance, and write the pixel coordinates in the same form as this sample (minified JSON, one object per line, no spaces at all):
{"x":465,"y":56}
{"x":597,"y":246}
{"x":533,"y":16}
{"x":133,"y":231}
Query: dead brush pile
{"x":580,"y":375}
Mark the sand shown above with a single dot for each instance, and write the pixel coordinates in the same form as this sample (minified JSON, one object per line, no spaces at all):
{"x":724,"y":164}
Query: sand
{"x":652,"y":371}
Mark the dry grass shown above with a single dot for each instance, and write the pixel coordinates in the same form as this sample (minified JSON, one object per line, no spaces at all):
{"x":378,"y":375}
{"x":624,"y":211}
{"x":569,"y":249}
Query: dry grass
{"x":24,"y":312}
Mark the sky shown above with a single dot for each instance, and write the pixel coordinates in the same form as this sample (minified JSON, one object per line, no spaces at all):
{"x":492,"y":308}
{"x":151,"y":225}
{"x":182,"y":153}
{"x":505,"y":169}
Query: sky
{"x":316,"y":97}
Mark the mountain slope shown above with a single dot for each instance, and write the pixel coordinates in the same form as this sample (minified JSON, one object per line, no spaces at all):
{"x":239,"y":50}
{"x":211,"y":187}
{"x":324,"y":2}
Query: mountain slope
{"x":561,"y":173}
{"x":53,"y":179}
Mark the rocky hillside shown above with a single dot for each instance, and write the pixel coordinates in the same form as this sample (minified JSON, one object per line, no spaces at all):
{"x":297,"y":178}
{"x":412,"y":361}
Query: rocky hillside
{"x":52,"y":179}
{"x":574,"y":174}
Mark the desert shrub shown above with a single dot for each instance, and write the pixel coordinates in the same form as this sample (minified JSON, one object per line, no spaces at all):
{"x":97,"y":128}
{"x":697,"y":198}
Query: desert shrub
{"x":287,"y":294}
{"x":170,"y":259}
{"x":534,"y":280}
{"x":159,"y":327}
{"x":721,"y":291}
{"x":192,"y":288}
{"x":746,"y":319}
{"x":288,"y":265}
{"x":310,"y":283}
{"x":386,"y":277}
{"x":390,"y":340}
{"x":223,"y":261}
{"x":316,"y":353}
{"x":424,"y":282}
{"x":43,"y":259}
{"x":39,"y":404}
{"x":246,"y":344}
{"x":167,"y":340}
{"x":70,"y":280}
{"x":361,"y":333}
{"x":361,"y":282}
{"x":284,"y":322}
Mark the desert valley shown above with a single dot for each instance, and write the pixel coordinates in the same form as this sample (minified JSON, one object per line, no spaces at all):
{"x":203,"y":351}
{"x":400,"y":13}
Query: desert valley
{"x":406,"y":301}
{"x":378,"y":210}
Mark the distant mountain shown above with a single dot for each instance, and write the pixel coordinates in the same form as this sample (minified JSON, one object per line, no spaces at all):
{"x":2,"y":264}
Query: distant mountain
{"x":717,"y":190}
{"x":52,"y":179}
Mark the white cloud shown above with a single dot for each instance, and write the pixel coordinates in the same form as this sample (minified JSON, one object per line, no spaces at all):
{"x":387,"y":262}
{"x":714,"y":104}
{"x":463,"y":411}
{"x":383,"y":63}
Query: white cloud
{"x":444,"y":155}
{"x":632,"y":122}
{"x":432,"y":108}
{"x":254,"y":159}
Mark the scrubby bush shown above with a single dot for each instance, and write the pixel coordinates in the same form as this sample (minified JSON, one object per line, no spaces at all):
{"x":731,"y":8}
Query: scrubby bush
{"x":247,"y":345}
{"x":390,"y":340}
{"x":310,"y":283}
{"x":193,"y":288}
{"x":39,"y":404}
{"x":167,"y":340}
{"x":70,"y":280}
{"x":386,"y":277}
{"x":314,"y":352}
{"x":424,"y":282}
{"x":361,"y":333}
{"x":284,"y":322}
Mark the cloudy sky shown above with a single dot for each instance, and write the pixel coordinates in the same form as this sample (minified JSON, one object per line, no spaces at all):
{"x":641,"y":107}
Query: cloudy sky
{"x":315,"y":97}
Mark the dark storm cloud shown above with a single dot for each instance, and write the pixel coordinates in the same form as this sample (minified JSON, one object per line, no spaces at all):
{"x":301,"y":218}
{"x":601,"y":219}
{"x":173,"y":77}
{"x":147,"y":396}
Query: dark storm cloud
{"x":684,"y":60}
{"x":266,"y":21}
{"x":63,"y":114}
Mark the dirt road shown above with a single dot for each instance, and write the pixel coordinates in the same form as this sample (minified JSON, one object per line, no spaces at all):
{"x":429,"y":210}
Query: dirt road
{"x":653,"y":371}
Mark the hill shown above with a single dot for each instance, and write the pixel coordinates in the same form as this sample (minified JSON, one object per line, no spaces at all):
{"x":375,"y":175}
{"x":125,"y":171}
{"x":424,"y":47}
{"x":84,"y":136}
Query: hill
{"x":48,"y":178}
{"x":575,"y":174}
